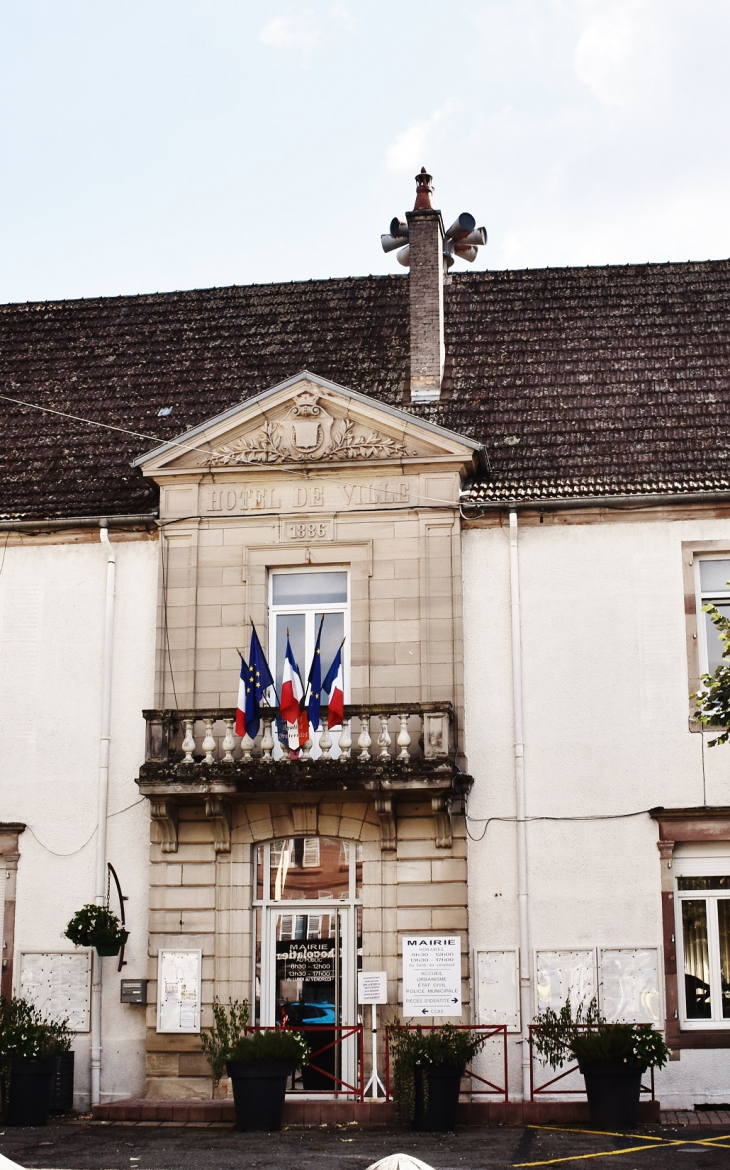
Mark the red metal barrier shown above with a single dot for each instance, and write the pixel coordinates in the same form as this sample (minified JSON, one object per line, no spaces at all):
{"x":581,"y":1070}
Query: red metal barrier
{"x":341,"y":1032}
{"x":488,"y":1030}
{"x":548,"y":1086}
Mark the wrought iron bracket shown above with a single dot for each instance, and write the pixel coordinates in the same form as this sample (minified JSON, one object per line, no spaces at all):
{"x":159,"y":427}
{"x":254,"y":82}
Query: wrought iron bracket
{"x":122,"y":899}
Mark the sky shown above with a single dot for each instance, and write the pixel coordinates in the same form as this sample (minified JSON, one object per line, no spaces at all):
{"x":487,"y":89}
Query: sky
{"x":171,"y":144}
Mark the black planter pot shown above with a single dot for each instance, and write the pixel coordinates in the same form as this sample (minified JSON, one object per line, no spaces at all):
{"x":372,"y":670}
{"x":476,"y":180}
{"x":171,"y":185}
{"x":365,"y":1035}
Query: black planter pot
{"x":113,"y":947}
{"x":28,"y":1101}
{"x":62,"y":1092}
{"x":259,"y":1088}
{"x":444,"y":1082}
{"x":313,"y":1078}
{"x":613,"y":1091}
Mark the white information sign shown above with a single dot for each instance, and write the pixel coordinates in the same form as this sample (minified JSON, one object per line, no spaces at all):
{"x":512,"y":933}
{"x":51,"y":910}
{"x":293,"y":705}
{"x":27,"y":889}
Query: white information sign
{"x":372,"y":987}
{"x":178,"y":991}
{"x":431,"y":975}
{"x":59,"y":983}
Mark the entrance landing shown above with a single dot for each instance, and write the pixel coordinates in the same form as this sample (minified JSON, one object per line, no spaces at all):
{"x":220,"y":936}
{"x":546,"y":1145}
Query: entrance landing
{"x":367,"y":1114}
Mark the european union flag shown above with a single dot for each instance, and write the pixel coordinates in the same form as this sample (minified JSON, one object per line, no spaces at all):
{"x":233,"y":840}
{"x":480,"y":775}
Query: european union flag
{"x":315,"y":682}
{"x":259,"y":681}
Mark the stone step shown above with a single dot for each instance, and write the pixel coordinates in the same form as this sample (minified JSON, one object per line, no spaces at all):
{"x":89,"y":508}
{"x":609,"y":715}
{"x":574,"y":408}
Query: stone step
{"x":367,"y":1114}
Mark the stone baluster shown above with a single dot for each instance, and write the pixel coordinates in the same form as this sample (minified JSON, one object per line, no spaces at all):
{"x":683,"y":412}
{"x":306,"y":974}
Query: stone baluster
{"x":209,"y":741}
{"x":307,"y":749}
{"x":325,"y":742}
{"x":345,"y":740}
{"x":188,"y":744}
{"x":384,"y":739}
{"x":247,"y":746}
{"x":267,"y":743}
{"x":228,"y":742}
{"x":364,"y":740}
{"x":404,"y":738}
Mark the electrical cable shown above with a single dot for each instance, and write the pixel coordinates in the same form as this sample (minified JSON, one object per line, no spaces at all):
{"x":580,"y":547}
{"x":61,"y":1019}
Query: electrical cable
{"x":54,"y":852}
{"x":486,"y":821}
{"x":127,"y":807}
{"x":73,"y":852}
{"x":303,"y":473}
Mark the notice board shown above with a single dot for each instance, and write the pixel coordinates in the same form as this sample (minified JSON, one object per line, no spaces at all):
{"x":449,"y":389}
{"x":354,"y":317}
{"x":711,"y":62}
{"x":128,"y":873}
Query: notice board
{"x":630,"y":985}
{"x":178,"y":991}
{"x":431,"y":975}
{"x":59,"y":983}
{"x":498,"y":988}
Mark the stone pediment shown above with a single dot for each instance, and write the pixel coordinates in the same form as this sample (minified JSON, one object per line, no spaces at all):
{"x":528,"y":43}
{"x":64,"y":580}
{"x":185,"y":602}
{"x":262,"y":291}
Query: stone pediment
{"x":308,"y":431}
{"x":307,"y":420}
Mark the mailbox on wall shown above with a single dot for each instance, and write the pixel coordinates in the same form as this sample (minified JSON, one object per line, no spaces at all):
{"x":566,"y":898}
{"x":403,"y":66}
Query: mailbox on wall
{"x":133,"y":991}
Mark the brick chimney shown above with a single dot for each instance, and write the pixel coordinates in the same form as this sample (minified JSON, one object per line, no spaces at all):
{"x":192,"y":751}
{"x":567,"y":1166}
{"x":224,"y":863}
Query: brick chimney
{"x":426,"y":259}
{"x":423,"y":246}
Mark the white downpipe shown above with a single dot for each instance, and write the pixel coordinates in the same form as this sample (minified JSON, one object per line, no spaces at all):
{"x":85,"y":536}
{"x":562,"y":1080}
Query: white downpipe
{"x":523,"y":910}
{"x":100,"y":884}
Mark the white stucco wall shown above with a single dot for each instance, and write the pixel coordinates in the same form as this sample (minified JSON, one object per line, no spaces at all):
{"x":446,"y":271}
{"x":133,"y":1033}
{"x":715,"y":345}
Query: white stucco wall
{"x":52,"y":605}
{"x":605,"y":689}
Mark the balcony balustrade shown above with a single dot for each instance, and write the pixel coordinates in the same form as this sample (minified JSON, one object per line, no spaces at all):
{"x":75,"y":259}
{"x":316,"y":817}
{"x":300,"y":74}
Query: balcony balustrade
{"x":394,"y":752}
{"x":370,"y":735}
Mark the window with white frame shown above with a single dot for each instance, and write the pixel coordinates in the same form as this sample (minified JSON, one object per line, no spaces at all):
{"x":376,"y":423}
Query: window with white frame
{"x":299,"y":600}
{"x":712,"y":574}
{"x":702,"y":907}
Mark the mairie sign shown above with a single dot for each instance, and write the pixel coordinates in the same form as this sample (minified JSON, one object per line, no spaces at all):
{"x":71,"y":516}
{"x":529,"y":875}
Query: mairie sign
{"x":431,"y":975}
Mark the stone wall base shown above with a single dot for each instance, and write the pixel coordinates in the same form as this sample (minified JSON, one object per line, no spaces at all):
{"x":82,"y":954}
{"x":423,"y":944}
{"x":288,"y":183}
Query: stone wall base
{"x":367,"y":1114}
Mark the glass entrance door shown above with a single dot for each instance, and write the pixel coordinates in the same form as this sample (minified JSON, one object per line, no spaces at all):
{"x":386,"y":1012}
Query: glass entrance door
{"x":308,"y":918}
{"x":311,"y":975}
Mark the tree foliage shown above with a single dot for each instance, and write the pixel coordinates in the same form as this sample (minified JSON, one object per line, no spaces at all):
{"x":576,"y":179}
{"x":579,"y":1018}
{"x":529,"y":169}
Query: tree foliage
{"x":713,"y":698}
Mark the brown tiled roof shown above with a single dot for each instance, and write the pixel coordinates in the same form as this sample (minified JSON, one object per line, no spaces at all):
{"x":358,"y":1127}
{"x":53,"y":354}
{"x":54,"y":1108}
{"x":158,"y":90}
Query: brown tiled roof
{"x":578,"y":381}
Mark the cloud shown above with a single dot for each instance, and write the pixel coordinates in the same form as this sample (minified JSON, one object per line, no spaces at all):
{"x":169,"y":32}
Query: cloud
{"x":623,"y":55}
{"x":295,"y":31}
{"x":341,"y":15}
{"x":407,"y":149}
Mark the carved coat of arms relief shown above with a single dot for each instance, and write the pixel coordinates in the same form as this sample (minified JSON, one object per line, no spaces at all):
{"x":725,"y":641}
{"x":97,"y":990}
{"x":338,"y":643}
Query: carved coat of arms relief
{"x":307,"y":432}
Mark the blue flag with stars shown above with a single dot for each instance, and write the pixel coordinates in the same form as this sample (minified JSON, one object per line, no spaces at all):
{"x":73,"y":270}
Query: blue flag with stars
{"x":259,"y":680}
{"x":315,"y":682}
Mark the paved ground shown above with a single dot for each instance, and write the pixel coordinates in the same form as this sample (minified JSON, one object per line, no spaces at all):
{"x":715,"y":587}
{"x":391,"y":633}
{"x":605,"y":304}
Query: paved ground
{"x":167,"y":1146}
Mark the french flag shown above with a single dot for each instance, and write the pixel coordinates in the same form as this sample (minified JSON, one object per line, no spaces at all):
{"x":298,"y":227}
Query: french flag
{"x":334,"y":684}
{"x":291,"y":688}
{"x":241,"y":701}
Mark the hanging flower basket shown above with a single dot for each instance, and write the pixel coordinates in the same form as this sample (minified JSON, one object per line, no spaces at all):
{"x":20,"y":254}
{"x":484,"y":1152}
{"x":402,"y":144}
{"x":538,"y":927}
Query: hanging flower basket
{"x":96,"y":926}
{"x":108,"y":947}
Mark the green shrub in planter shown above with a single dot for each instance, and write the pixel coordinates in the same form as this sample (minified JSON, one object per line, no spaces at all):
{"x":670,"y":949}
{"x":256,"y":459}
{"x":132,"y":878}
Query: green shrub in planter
{"x":229,"y":1025}
{"x":30,"y":1045}
{"x":588,"y":1037}
{"x":259,"y":1066}
{"x":274,"y":1044}
{"x":96,"y":926}
{"x":611,"y":1057}
{"x":415,"y":1052}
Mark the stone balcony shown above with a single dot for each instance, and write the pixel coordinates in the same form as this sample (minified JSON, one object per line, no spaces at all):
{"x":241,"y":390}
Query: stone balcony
{"x":391,"y":752}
